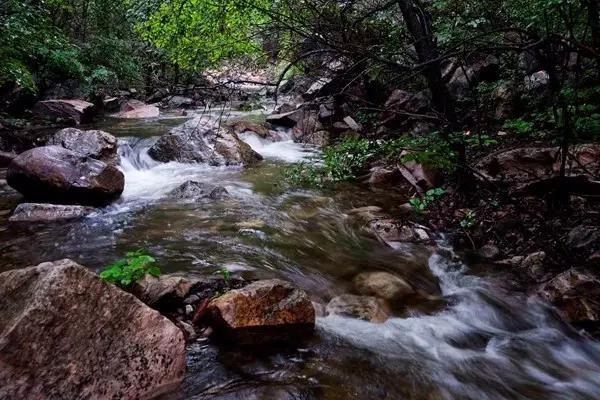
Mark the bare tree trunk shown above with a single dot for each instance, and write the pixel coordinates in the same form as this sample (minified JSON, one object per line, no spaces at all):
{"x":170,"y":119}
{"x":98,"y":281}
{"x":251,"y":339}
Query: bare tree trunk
{"x":419,"y":27}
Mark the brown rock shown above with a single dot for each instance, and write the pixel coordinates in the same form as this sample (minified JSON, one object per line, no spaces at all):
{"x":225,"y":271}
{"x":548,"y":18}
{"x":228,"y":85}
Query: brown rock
{"x":269,"y":310}
{"x":137,"y":109}
{"x":56,"y":175}
{"x":66,"y":334}
{"x":573,"y":293}
{"x":247,"y":126}
{"x":382,"y":285}
{"x":75,"y":111}
{"x":288,"y":119}
{"x":151,"y":289}
{"x":366,"y":308}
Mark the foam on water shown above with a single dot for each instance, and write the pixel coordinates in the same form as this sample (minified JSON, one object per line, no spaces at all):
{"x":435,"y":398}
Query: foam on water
{"x":485,"y":345}
{"x":285,"y":150}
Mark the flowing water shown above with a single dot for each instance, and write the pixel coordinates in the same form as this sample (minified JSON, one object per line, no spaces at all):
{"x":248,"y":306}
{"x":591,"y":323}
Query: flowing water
{"x":484,"y":342}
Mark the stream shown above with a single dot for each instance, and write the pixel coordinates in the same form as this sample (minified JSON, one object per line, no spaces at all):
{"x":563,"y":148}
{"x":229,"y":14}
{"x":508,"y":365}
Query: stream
{"x":484,"y":343}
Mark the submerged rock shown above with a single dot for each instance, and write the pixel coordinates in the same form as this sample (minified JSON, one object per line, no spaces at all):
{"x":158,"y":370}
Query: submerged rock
{"x":33,"y":212}
{"x":66,"y":334}
{"x":393,"y":232}
{"x":196,"y":191}
{"x":75,"y":111}
{"x":99,"y":145}
{"x":366,"y":308}
{"x":264,"y":311}
{"x":382,"y":285}
{"x":54,"y":174}
{"x":201,"y":140}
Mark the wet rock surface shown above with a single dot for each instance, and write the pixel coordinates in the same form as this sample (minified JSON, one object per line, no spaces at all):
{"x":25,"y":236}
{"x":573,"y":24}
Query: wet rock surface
{"x":201,"y":140}
{"x":382,"y":285}
{"x":367,"y":308}
{"x":197,"y":191}
{"x":96,"y":144}
{"x":54,"y":174}
{"x":264,"y":311}
{"x":64,"y":333}
{"x":34,"y":212}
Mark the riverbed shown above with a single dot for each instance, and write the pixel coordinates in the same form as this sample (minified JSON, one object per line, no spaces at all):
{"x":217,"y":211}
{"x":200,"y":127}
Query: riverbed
{"x":484,"y":342}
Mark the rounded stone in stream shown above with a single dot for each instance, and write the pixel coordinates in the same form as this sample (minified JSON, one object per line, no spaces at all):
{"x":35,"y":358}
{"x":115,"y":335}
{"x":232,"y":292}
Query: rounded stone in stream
{"x":382,"y":285}
{"x":67,"y":334}
{"x":53,"y":174}
{"x":264,"y":311}
{"x":367,"y":308}
{"x":196,"y":191}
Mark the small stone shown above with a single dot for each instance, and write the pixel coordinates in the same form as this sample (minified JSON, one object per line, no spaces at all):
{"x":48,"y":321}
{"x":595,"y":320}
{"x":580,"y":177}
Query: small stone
{"x":382,"y":285}
{"x":366,"y":308}
{"x":188,"y":310}
{"x":534,"y":263}
{"x":489,"y":252}
{"x":193,"y":299}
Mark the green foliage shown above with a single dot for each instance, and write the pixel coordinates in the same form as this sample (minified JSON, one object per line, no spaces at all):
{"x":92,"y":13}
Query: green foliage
{"x":342,"y":162}
{"x":420,"y":204}
{"x":469,"y":220}
{"x":519,"y":126}
{"x":202,"y":33}
{"x":224,"y":272}
{"x":131,"y":268}
{"x":304,"y":174}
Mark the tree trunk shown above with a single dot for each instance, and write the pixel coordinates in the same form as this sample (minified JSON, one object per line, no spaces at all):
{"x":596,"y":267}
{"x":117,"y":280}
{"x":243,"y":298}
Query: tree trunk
{"x":419,"y":27}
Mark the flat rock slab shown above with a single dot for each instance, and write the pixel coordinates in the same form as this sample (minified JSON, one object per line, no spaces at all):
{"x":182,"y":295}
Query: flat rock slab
{"x":66,"y":334}
{"x":34,"y":212}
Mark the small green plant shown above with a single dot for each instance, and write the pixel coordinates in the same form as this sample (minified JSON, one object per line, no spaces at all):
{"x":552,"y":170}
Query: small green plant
{"x":519,"y":126}
{"x":224,"y":272}
{"x":131,"y":268}
{"x":469,"y":220}
{"x":420,"y":204}
{"x":303,"y":174}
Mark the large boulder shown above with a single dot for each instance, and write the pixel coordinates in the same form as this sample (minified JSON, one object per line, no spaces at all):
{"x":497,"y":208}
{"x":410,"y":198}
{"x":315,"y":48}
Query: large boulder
{"x":66,"y":334}
{"x":99,"y":145}
{"x":137,"y":109}
{"x":269,"y":310}
{"x":75,"y":111}
{"x":34,"y":212}
{"x":535,"y":170}
{"x":367,"y":308}
{"x":53,"y":174}
{"x":202,"y":140}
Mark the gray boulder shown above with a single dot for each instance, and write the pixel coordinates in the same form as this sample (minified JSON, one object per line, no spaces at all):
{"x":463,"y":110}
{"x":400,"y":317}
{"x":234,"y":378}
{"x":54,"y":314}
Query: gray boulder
{"x":202,"y":140}
{"x":96,"y":144}
{"x":197,"y":191}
